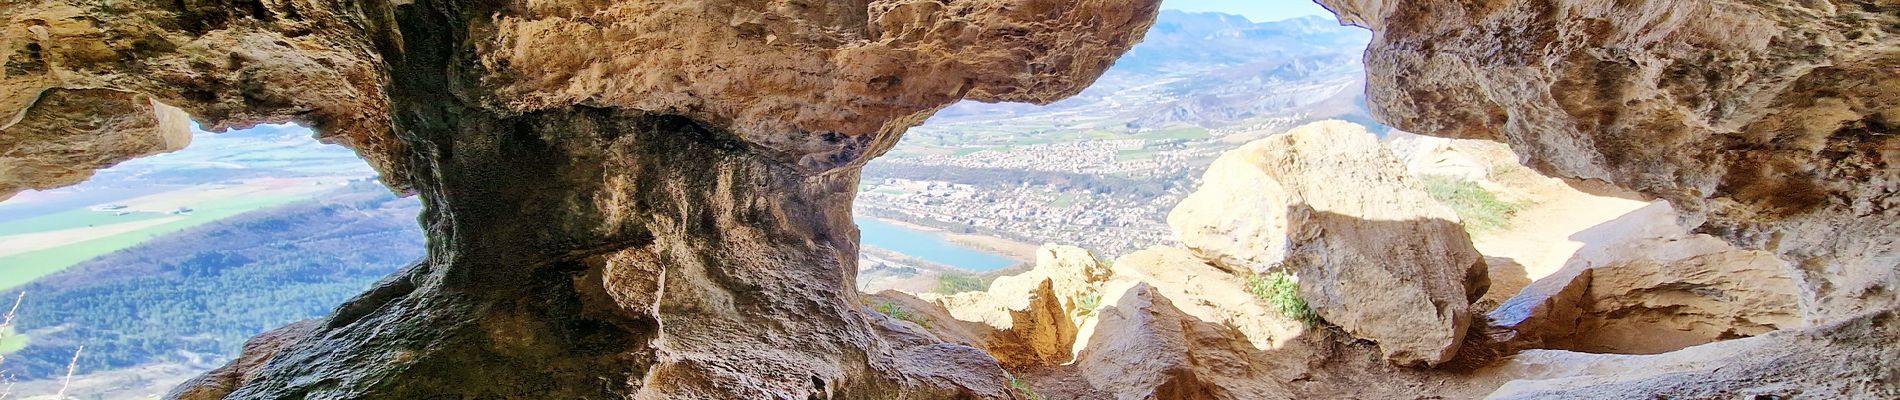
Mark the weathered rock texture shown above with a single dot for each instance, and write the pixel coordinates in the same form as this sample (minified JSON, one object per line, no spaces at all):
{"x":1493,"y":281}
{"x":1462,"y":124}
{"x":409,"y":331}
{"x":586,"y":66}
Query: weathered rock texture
{"x":1771,"y":123}
{"x":1145,"y":348}
{"x":66,"y":134}
{"x":1167,"y":325}
{"x":1030,"y":316}
{"x":1851,"y":359}
{"x":1208,"y":293}
{"x":629,"y":199}
{"x":1652,"y":288}
{"x":1374,"y":253}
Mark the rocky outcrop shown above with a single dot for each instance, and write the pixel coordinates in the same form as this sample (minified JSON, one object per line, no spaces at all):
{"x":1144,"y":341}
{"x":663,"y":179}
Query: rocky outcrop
{"x":644,"y":199}
{"x":1030,"y":316}
{"x":1374,"y":253}
{"x":220,"y":382}
{"x":1195,"y":334}
{"x":66,"y":134}
{"x":1850,"y":359}
{"x":1769,"y":123}
{"x":1207,"y":293}
{"x":1436,"y":156}
{"x":1652,"y":288}
{"x":1236,"y":218}
{"x":1145,"y":348}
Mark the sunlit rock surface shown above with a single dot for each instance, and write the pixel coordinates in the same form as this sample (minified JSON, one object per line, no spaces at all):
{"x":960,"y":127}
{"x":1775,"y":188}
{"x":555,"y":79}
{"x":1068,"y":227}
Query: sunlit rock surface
{"x":1374,"y":253}
{"x":1653,"y":288}
{"x":1769,"y":123}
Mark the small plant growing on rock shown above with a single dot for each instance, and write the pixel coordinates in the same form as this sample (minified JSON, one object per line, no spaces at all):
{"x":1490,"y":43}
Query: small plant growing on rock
{"x":1021,"y":385}
{"x":901,"y":313}
{"x":1280,"y":290}
{"x":1085,"y":306}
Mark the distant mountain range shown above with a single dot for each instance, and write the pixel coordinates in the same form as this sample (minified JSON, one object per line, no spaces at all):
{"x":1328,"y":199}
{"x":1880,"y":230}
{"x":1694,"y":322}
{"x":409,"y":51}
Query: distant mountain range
{"x":1213,"y":70}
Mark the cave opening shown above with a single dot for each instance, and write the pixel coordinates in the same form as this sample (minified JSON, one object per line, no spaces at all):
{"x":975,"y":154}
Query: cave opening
{"x":162,"y":267}
{"x":1203,"y":200}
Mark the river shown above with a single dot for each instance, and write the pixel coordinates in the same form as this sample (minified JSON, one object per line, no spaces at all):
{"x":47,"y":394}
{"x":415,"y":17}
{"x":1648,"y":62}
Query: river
{"x":928,"y":246}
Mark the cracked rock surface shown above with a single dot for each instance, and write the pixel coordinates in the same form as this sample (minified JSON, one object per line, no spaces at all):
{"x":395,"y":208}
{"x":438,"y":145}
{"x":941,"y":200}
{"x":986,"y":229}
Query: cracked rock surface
{"x":1769,"y":123}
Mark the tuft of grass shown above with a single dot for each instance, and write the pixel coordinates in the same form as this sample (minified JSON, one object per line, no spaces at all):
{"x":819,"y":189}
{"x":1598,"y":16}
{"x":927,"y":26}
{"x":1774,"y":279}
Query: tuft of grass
{"x":901,"y":313}
{"x":1023,"y":386}
{"x":958,"y":282}
{"x":1480,"y":210}
{"x":1085,"y":306}
{"x":1283,"y":293}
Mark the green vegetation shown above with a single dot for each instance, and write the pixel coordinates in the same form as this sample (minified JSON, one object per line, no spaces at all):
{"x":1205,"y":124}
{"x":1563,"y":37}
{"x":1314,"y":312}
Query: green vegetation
{"x":1023,"y":386}
{"x":959,"y":282}
{"x":1283,"y":293}
{"x":11,"y":341}
{"x":901,"y":313}
{"x":1085,"y":306}
{"x":1480,"y":210}
{"x":71,"y":219}
{"x":201,"y":292}
{"x":28,"y":266}
{"x":971,"y":150}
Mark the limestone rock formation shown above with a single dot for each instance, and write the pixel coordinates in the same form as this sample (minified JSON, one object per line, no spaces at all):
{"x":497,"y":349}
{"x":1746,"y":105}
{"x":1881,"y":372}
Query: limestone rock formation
{"x":1436,"y":156}
{"x":1652,"y":289}
{"x":627,"y":199}
{"x":1236,"y":218}
{"x":66,"y":134}
{"x":1770,"y":123}
{"x":1850,"y":359}
{"x":1374,"y":253}
{"x":1145,"y":348}
{"x":1207,"y":293}
{"x":1031,"y":315}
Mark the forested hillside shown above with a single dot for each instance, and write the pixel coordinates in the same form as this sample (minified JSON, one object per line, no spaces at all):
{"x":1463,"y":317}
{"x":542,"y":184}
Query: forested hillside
{"x":194,"y":296}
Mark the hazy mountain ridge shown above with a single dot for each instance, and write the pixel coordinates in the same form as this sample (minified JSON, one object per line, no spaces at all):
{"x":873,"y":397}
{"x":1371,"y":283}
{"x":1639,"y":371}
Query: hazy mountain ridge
{"x":1196,"y":54}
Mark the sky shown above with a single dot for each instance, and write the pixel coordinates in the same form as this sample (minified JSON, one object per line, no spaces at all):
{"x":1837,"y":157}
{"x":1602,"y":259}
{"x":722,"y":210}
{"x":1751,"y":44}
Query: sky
{"x":1256,"y":10}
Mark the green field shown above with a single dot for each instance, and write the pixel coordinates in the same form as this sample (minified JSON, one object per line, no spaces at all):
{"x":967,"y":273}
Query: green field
{"x":11,"y":342}
{"x":26,"y":267}
{"x":71,"y":219}
{"x":1063,"y":200}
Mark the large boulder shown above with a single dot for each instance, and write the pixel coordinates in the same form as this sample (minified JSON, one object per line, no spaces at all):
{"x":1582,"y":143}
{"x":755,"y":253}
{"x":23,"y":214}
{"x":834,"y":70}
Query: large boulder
{"x":1374,"y":253}
{"x":1772,"y":124}
{"x":1145,"y":348}
{"x":1208,"y":294}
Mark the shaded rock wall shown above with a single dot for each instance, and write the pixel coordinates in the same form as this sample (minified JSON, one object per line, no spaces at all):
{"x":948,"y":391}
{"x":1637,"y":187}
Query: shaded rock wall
{"x":1769,"y":123}
{"x":631,"y":199}
{"x":66,"y":134}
